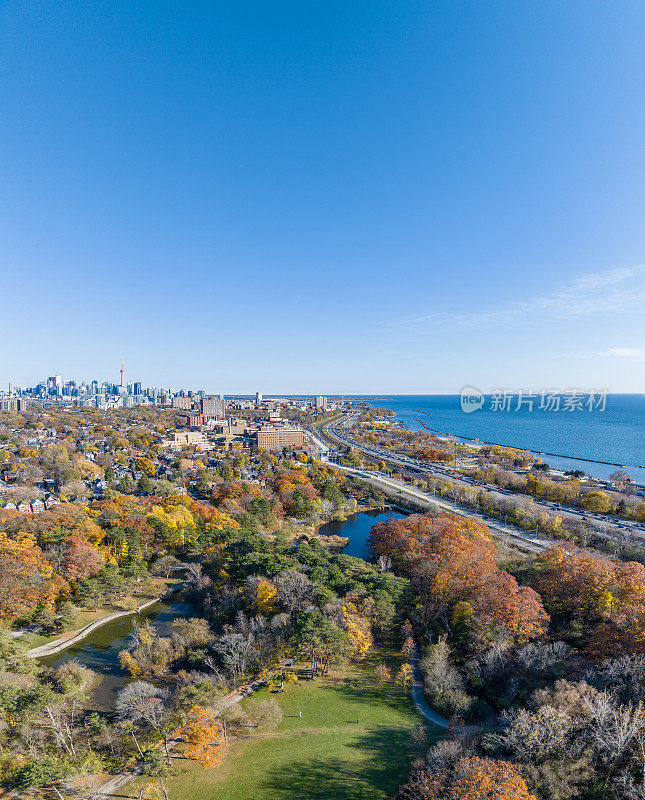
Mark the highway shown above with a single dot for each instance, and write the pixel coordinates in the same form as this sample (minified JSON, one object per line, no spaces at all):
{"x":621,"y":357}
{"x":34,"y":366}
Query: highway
{"x":521,"y":538}
{"x":533,"y":542}
{"x":336,"y":432}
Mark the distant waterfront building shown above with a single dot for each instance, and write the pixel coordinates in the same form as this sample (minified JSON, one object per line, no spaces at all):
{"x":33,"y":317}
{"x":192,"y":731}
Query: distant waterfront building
{"x":258,"y":399}
{"x":321,"y":402}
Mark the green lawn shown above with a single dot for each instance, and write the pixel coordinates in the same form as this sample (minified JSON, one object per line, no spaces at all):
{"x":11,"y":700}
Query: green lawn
{"x":83,"y":618}
{"x":325,"y":754}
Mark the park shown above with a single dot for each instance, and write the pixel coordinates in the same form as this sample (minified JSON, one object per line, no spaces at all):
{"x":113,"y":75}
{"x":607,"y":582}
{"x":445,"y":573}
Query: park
{"x":336,"y":741}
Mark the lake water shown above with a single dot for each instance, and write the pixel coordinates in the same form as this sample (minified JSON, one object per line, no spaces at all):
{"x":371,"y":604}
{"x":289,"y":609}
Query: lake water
{"x":616,"y":434}
{"x":100,"y":651}
{"x":357,"y":528}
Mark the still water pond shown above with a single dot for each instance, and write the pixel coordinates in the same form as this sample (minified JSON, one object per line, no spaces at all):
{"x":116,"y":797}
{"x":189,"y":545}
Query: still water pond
{"x":357,"y":528}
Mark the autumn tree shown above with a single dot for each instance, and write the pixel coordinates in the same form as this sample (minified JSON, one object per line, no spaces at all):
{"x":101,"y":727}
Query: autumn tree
{"x":450,"y":774}
{"x":82,"y":558}
{"x":359,"y":633}
{"x":27,"y":579}
{"x":145,"y":465}
{"x":382,"y":673}
{"x":148,"y":653}
{"x":599,"y":502}
{"x":451,"y":561}
{"x":404,"y":675}
{"x":265,"y":598}
{"x":205,"y":737}
{"x":586,"y":585}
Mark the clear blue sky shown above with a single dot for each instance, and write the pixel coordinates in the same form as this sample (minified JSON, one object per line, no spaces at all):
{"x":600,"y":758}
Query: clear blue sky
{"x":399,"y":197}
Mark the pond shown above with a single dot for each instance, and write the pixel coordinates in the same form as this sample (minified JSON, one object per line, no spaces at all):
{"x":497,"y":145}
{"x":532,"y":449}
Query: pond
{"x":357,"y":528}
{"x":100,"y":651}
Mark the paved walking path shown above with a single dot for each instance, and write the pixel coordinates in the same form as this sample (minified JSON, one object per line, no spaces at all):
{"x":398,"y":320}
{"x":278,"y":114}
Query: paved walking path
{"x":62,"y":644}
{"x":419,"y":698}
{"x":112,"y":787}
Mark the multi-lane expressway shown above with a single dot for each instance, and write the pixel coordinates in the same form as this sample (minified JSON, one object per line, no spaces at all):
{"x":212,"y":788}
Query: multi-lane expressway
{"x":402,"y":491}
{"x":336,"y":433}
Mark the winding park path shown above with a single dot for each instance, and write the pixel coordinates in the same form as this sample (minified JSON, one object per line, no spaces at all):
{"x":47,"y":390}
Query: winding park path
{"x":112,"y":787}
{"x":419,"y":698}
{"x":58,"y":645}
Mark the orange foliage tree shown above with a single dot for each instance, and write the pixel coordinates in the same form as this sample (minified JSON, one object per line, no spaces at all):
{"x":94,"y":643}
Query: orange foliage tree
{"x":27,"y":580}
{"x":472,"y":778}
{"x":573,"y":581}
{"x":451,"y":561}
{"x":583,"y":584}
{"x":205,"y":737}
{"x":83,"y":559}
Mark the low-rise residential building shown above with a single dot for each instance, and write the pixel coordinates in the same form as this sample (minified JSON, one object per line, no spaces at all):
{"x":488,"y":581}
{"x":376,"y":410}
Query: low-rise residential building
{"x":37,"y":506}
{"x":181,"y":439}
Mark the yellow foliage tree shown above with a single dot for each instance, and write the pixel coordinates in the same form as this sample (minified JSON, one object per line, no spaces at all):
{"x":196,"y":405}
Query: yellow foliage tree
{"x":179,"y":522}
{"x":404,"y":675}
{"x":265,"y":595}
{"x":145,"y":465}
{"x":605,"y":602}
{"x":358,"y":630}
{"x":129,"y":663}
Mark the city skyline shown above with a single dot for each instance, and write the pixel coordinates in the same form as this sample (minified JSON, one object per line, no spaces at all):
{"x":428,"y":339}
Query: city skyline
{"x":72,"y":387}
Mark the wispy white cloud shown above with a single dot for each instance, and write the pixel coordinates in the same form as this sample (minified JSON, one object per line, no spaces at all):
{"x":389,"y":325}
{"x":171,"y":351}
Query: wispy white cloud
{"x":623,"y":352}
{"x":614,"y":290}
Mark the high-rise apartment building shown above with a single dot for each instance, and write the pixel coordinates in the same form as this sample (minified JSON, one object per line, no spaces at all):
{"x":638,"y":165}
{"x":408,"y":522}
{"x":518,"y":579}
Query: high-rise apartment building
{"x":185,"y":403}
{"x":213,"y":407}
{"x":277,"y":438}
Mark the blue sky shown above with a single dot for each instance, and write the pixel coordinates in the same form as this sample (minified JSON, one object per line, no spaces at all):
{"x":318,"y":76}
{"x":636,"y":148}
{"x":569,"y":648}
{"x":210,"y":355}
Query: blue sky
{"x":399,"y":197}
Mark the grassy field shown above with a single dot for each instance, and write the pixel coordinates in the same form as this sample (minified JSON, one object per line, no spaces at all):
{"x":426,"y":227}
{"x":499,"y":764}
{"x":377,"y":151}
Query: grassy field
{"x":323,"y":755}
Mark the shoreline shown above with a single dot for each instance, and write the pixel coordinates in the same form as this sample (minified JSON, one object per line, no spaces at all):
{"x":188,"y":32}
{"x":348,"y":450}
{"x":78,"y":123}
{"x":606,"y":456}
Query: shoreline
{"x":57,"y":646}
{"x":526,"y":449}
